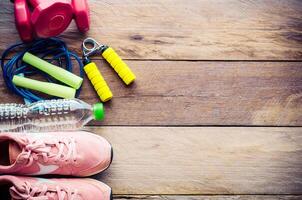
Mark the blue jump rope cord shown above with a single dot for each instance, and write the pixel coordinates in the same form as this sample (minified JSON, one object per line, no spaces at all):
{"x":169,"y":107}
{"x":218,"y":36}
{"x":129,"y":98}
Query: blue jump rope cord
{"x":52,"y":48}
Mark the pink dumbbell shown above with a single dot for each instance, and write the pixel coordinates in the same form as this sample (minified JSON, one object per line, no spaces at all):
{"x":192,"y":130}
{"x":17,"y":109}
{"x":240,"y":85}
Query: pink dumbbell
{"x":49,"y":17}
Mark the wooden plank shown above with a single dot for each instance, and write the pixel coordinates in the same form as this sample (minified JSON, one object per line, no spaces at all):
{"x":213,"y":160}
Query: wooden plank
{"x":211,"y":197}
{"x":199,"y":30}
{"x":201,"y":93}
{"x":196,"y":161}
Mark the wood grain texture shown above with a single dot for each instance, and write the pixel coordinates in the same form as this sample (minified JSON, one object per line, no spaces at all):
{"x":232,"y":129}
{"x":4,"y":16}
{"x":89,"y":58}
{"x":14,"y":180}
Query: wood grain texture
{"x":201,"y":93}
{"x":211,"y":197}
{"x":195,"y":161}
{"x":198,"y":30}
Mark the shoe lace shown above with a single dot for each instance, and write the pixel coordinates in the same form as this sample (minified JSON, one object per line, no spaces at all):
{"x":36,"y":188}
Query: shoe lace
{"x":27,"y":192}
{"x":37,"y":148}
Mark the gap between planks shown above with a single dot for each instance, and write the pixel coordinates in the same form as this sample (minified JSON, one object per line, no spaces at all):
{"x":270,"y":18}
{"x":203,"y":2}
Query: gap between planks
{"x":211,"y":197}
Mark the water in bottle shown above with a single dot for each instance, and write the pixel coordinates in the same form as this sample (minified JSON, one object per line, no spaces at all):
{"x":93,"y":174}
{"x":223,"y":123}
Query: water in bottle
{"x":48,"y":115}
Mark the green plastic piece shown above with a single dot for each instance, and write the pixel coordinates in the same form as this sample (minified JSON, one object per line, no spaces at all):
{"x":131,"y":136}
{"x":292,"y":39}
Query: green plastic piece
{"x":45,"y":87}
{"x":98,"y":111}
{"x":57,"y":72}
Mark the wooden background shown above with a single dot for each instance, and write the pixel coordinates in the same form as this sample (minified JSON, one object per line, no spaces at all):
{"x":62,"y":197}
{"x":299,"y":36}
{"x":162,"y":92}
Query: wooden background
{"x":216,"y":112}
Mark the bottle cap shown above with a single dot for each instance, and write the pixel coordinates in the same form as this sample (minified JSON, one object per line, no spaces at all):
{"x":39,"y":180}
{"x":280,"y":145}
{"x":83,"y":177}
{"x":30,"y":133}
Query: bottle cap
{"x":98,"y":111}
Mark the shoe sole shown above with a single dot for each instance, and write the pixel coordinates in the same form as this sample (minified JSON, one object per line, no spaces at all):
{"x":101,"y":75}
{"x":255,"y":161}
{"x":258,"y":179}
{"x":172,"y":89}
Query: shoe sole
{"x":111,"y":196}
{"x":111,"y":156}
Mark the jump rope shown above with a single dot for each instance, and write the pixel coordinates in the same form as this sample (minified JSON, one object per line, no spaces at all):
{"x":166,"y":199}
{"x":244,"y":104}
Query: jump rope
{"x":25,"y":63}
{"x":52,"y":49}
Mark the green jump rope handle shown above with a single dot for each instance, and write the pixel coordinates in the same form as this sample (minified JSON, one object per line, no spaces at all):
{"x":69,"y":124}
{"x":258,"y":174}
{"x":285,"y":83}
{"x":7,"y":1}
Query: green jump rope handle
{"x":57,"y":72}
{"x":45,"y":87}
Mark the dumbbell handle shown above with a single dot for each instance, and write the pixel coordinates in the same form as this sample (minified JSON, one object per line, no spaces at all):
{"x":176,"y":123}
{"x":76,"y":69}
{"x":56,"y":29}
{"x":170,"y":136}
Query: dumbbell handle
{"x":35,"y":3}
{"x":119,"y":66}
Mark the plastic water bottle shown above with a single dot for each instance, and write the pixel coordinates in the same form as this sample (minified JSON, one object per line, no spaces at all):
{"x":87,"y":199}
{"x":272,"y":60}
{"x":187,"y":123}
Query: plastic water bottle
{"x":48,"y":115}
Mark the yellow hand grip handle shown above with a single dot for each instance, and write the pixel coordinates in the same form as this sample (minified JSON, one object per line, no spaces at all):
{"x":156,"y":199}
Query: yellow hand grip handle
{"x":119,"y":66}
{"x":98,"y":82}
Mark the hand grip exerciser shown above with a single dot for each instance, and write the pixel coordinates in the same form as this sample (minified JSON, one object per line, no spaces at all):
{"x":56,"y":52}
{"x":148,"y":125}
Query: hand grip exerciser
{"x":57,"y":72}
{"x":93,"y":73}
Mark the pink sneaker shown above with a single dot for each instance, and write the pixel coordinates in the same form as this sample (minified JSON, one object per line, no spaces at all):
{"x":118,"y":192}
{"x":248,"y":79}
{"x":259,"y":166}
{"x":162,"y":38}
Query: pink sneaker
{"x":63,"y":153}
{"x":24,"y":188}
